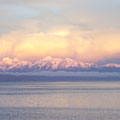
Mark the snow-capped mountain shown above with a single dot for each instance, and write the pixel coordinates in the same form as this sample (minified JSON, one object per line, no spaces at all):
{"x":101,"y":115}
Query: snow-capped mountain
{"x":53,"y":64}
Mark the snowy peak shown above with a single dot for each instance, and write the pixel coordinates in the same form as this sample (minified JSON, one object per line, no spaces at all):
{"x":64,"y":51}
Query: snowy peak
{"x":53,"y":64}
{"x":49,"y":58}
{"x":112,"y":65}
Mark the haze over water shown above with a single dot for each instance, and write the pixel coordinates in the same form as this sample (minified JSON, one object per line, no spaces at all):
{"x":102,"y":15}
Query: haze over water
{"x":60,"y":100}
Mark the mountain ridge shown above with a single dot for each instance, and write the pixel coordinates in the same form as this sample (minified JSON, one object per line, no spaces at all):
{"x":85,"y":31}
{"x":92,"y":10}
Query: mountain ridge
{"x":54,"y":64}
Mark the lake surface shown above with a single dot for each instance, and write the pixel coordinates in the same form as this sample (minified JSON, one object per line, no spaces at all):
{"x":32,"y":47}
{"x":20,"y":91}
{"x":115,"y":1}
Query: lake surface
{"x":60,"y":100}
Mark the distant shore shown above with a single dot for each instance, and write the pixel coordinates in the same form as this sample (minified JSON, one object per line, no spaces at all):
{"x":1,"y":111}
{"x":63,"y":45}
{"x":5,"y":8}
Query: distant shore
{"x":37,"y":78}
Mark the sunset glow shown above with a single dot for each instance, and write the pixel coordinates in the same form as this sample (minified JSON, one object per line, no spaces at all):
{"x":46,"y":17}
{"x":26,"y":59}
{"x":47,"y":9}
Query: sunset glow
{"x":78,"y":30}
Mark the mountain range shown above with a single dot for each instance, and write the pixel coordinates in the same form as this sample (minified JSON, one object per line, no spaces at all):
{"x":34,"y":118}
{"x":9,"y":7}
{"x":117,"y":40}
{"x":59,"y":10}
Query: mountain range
{"x":53,"y":64}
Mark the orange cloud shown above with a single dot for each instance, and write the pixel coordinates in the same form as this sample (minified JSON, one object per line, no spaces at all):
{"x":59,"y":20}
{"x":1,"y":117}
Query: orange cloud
{"x":41,"y":45}
{"x":61,"y":43}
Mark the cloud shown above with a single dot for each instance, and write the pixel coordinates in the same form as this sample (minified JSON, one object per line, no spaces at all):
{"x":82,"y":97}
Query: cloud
{"x":61,"y":42}
{"x":79,"y":29}
{"x":84,"y":14}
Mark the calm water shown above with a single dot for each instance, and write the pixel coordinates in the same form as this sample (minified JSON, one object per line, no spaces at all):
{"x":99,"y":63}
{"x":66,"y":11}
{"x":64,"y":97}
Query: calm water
{"x":60,"y":101}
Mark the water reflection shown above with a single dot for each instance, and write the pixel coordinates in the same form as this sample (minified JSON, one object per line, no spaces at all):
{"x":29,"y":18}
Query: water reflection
{"x":61,"y":94}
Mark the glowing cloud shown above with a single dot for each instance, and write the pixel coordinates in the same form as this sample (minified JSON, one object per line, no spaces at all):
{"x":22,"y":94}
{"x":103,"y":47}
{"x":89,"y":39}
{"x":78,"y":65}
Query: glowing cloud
{"x":80,"y":29}
{"x":78,"y":45}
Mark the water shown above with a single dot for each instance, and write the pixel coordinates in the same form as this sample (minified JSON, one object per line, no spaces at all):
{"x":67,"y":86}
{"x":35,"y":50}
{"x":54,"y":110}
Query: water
{"x":60,"y":101}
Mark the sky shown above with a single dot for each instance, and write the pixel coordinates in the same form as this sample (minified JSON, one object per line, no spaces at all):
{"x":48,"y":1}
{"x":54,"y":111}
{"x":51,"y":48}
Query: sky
{"x":86,"y":30}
